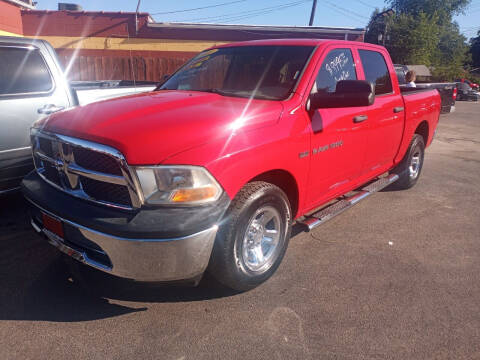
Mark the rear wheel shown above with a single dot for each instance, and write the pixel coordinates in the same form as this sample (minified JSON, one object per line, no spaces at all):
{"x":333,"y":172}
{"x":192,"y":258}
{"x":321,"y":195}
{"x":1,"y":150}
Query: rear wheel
{"x":253,"y":238}
{"x":410,"y":167}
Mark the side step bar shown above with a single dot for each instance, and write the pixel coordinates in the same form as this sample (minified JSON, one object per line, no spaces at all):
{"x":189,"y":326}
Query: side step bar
{"x":318,"y":218}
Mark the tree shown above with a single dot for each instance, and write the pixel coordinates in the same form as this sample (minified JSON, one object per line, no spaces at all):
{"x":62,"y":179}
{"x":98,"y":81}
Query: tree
{"x":475,"y":50}
{"x":375,"y":26}
{"x":413,"y":39}
{"x":422,"y":32}
{"x":452,"y":53}
{"x":445,"y":9}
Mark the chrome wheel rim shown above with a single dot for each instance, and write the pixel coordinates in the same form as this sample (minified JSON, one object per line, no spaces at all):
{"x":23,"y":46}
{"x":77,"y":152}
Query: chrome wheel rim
{"x":415,"y":164}
{"x":262,"y":239}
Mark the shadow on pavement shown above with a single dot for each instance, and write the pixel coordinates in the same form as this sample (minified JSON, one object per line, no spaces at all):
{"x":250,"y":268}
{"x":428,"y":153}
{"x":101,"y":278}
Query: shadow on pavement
{"x":53,"y":296}
{"x":36,"y":283}
{"x":100,"y":284}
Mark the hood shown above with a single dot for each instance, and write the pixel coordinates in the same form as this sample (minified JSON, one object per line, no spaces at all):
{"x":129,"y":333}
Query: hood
{"x":150,"y":127}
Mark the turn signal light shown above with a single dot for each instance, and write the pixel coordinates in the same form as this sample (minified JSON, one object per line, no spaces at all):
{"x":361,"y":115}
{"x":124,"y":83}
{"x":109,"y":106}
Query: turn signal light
{"x":194,"y":195}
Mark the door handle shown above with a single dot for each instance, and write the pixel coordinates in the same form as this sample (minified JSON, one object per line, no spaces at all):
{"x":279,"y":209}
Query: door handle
{"x":398,"y":109}
{"x":49,"y":109}
{"x":360,"y":118}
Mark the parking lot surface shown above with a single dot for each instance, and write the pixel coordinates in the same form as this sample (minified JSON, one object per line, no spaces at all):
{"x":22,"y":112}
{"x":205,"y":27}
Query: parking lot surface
{"x":396,"y":277}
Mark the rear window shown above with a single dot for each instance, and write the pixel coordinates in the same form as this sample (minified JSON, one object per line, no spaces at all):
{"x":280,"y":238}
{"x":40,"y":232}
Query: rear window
{"x":376,"y":71}
{"x":23,"y":71}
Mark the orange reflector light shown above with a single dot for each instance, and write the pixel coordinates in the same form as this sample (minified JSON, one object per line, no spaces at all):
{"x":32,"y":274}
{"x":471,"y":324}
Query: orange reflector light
{"x":193,"y":195}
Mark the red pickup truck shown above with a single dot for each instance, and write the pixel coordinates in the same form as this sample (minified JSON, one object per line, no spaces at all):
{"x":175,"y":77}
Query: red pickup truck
{"x":210,"y":170}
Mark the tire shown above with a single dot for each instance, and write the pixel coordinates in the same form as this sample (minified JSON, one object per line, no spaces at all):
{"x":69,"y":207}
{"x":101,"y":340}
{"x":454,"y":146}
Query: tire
{"x":410,"y":167}
{"x":247,"y":251}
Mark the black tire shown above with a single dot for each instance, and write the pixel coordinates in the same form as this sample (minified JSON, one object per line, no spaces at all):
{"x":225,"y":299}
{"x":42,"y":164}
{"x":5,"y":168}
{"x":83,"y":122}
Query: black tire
{"x":228,"y":263}
{"x":409,"y":170}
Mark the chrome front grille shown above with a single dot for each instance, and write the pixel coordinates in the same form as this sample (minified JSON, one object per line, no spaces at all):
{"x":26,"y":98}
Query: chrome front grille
{"x":85,"y":169}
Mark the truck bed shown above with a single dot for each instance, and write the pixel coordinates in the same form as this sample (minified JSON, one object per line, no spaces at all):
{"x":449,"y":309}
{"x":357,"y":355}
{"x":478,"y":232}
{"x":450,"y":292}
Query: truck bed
{"x":91,"y":91}
{"x":446,"y":91}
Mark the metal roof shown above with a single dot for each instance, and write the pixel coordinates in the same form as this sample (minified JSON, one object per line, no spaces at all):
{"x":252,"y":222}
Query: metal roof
{"x":279,"y":28}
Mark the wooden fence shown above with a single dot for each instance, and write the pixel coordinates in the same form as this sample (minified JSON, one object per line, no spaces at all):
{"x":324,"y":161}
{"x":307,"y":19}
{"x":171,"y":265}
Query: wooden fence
{"x":92,"y":67}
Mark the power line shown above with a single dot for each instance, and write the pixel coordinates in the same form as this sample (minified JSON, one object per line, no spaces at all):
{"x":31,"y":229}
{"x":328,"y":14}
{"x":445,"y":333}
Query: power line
{"x":198,"y":8}
{"x":257,"y":14}
{"x":347,"y":11}
{"x":248,"y":13}
{"x":344,"y":14}
{"x":366,"y":4}
{"x":240,"y":13}
{"x":265,"y":12}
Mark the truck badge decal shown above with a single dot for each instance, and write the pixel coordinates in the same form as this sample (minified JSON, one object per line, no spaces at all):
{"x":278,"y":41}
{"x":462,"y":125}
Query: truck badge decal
{"x":327,"y":147}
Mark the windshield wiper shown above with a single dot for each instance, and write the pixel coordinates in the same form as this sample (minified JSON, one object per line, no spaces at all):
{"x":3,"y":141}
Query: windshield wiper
{"x":238,"y":93}
{"x":214,"y":91}
{"x":233,"y":93}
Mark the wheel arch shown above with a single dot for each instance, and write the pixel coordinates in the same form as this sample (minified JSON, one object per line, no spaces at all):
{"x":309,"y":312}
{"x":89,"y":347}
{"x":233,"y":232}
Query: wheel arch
{"x":285,"y":181}
{"x":423,"y":130}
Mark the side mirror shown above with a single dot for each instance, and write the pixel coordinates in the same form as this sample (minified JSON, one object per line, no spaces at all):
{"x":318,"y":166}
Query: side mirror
{"x":348,"y":93}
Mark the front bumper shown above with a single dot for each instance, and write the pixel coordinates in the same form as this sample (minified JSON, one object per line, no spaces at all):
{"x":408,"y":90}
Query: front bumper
{"x":139,"y":259}
{"x":130,"y":248}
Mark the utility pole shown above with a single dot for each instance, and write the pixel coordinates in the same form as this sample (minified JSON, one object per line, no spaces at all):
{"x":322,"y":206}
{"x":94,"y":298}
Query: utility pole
{"x":384,"y":15}
{"x":136,"y":17}
{"x":312,"y":15}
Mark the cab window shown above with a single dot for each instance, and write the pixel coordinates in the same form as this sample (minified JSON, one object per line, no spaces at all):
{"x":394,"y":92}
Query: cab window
{"x":376,"y":71}
{"x":338,"y":65}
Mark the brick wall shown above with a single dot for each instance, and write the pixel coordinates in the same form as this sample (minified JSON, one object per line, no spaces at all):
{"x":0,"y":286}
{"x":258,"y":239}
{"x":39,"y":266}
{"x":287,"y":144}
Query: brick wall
{"x":10,"y":19}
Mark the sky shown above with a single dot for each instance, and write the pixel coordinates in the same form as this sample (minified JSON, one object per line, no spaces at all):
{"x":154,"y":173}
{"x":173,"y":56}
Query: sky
{"x":346,"y":13}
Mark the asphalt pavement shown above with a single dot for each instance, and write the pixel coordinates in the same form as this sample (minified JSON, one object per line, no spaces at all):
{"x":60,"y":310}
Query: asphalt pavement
{"x":395,"y":277}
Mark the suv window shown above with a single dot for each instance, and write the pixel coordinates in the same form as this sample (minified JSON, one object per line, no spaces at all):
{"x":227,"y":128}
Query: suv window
{"x":23,"y":71}
{"x":376,"y":71}
{"x":338,"y":65}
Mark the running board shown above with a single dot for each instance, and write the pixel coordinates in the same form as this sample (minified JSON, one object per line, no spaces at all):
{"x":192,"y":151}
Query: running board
{"x":318,"y":218}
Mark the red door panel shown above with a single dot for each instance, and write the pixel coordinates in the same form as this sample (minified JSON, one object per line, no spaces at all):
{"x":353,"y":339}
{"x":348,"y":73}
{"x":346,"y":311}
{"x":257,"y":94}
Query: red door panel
{"x":386,"y":115}
{"x":338,"y":143}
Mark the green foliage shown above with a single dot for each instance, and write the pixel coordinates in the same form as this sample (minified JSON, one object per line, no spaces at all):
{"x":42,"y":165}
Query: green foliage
{"x":445,"y":9}
{"x":375,"y":26}
{"x":475,"y":50}
{"x":422,"y":32}
{"x":413,"y":39}
{"x":452,"y":53}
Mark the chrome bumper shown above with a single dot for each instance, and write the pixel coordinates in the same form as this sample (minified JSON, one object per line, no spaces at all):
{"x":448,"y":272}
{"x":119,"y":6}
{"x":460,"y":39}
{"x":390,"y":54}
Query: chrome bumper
{"x":138,"y":259}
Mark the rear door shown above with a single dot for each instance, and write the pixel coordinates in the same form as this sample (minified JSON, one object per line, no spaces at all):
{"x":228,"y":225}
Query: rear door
{"x":26,"y":85}
{"x":338,"y":143}
{"x":386,"y":116}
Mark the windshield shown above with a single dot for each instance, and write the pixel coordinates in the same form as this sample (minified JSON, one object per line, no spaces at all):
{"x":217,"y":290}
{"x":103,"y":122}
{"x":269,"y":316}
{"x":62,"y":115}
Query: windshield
{"x":261,"y":72}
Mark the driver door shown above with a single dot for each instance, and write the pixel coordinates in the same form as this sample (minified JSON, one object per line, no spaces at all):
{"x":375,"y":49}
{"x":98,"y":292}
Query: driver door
{"x":338,"y":138}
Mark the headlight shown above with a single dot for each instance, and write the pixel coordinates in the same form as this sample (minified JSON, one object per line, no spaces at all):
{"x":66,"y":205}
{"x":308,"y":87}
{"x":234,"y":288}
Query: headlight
{"x":177,"y":185}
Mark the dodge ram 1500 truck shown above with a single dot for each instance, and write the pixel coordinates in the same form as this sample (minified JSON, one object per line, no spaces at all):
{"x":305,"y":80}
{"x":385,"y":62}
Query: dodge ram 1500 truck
{"x":209,"y":171}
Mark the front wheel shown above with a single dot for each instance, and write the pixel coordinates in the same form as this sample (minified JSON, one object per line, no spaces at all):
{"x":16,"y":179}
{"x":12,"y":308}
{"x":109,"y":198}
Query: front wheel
{"x":253,"y":237}
{"x":411,"y":165}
